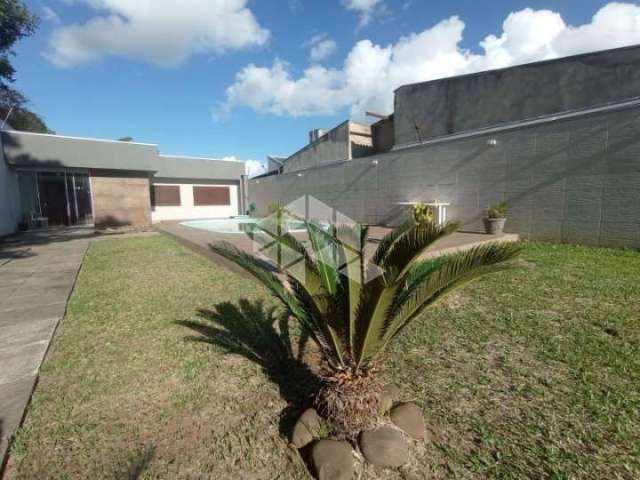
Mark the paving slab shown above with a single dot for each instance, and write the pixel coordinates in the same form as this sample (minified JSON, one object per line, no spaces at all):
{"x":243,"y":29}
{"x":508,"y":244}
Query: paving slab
{"x":23,"y":297}
{"x":37,"y":275}
{"x":24,"y":333}
{"x":20,"y":361}
{"x":27,"y":314}
{"x":14,"y":396}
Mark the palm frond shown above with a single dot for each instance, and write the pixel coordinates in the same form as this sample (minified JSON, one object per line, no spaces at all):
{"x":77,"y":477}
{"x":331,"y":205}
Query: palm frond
{"x":431,"y":280}
{"x":321,"y":322}
{"x":262,"y":272}
{"x":375,"y":301}
{"x":389,"y":239}
{"x":350,"y":246}
{"x":323,"y":245}
{"x":410,"y":245}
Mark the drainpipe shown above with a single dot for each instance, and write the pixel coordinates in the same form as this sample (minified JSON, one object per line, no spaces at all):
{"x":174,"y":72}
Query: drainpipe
{"x":244,"y":194}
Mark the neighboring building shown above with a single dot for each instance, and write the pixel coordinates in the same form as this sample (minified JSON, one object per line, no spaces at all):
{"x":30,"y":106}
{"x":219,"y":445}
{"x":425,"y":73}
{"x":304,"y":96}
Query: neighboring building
{"x":71,"y":181}
{"x":346,"y":141}
{"x":275,"y":163}
{"x":558,"y":140}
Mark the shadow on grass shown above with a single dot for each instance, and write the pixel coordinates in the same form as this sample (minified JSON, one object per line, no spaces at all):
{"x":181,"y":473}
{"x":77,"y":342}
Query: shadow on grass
{"x":260,"y":334}
{"x":135,"y":463}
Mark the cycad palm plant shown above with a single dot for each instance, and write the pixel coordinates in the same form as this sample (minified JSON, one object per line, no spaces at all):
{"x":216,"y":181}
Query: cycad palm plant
{"x":353,"y":306}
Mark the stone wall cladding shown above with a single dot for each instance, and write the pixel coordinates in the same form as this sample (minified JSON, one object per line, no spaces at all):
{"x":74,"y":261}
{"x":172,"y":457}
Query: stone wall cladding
{"x":575,"y":181}
{"x":121,"y":199}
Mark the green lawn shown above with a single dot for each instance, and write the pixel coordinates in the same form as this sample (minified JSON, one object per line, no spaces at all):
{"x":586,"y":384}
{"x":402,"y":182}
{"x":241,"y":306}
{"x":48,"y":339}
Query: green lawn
{"x":533,"y":373}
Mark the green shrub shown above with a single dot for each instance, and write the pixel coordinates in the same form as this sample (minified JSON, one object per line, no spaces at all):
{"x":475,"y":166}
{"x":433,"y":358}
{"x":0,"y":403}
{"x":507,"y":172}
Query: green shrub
{"x":498,"y":210}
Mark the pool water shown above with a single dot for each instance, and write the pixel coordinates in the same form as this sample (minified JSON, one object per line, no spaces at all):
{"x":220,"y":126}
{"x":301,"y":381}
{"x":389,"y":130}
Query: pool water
{"x":235,"y":225}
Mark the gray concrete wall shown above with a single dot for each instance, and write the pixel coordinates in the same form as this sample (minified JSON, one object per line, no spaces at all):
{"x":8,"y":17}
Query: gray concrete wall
{"x":333,"y":145}
{"x":9,"y":198}
{"x":574,"y":181}
{"x":443,"y":107}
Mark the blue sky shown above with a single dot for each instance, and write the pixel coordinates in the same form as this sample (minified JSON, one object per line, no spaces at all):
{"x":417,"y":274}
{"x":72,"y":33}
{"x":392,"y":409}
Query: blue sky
{"x":160,"y":70}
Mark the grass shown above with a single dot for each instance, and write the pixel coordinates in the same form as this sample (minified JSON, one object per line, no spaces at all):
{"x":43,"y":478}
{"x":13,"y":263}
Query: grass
{"x":533,"y":373}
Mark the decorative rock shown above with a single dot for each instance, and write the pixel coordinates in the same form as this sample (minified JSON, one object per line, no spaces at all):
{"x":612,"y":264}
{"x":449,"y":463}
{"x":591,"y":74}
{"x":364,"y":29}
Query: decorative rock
{"x":390,"y":394}
{"x":408,"y":417}
{"x":332,"y":460}
{"x":385,"y":446}
{"x":311,"y":420}
{"x":306,"y":428}
{"x":301,"y":436}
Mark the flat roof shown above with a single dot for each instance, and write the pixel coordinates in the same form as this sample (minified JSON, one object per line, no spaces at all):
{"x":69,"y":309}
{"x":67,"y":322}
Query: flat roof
{"x":46,"y":150}
{"x":175,"y":166}
{"x":39,"y":150}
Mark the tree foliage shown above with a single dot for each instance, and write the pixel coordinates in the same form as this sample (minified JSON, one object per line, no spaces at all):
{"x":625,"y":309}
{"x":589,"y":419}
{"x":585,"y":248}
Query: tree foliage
{"x":16,"y":22}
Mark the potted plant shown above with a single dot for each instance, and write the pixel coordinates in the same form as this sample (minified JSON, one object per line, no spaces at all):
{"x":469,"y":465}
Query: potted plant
{"x":422,"y":213}
{"x":496,"y":218}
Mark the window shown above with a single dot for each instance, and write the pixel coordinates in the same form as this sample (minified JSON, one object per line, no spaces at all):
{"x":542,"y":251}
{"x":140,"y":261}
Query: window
{"x":165,"y":196}
{"x":208,"y":196}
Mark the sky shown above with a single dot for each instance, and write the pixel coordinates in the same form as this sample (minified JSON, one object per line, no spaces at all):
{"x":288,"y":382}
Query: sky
{"x":243,"y":79}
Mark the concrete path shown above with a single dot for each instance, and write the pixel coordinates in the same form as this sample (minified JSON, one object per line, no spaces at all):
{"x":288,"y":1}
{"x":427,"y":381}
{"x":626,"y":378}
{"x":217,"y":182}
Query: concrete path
{"x":37,"y":273}
{"x":199,"y":240}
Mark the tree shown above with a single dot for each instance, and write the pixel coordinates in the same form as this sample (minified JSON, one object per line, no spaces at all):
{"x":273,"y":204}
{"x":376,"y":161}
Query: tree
{"x":16,"y":22}
{"x":353,"y":307}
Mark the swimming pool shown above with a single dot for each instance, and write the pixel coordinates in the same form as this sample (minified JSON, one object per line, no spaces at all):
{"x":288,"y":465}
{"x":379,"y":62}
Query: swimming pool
{"x":236,"y":225}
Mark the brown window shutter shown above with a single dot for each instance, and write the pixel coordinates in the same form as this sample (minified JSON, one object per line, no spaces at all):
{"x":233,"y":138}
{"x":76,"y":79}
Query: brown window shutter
{"x":208,"y":196}
{"x":165,"y":196}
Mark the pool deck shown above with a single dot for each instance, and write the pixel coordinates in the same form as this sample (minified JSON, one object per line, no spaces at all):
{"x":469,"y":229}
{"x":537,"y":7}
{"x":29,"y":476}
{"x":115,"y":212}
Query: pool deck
{"x":199,"y":240}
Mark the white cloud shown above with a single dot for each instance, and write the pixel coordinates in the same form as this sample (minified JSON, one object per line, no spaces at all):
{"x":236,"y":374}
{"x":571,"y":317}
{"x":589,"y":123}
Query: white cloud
{"x":251,"y":167}
{"x":365,"y":8}
{"x":271,"y":89}
{"x":254,"y":167}
{"x":321,"y":47}
{"x":371,"y":72}
{"x":163,"y":32}
{"x":50,"y":15}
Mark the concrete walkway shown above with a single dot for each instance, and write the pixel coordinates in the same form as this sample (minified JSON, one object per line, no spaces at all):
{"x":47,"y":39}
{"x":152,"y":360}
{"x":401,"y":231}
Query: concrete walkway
{"x":37,"y":273}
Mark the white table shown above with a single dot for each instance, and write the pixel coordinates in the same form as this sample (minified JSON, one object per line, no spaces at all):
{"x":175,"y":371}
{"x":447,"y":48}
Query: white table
{"x":441,"y":209}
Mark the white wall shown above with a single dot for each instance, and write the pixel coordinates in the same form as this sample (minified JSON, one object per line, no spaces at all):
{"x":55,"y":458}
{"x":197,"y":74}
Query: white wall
{"x":187,"y":210}
{"x":9,"y":198}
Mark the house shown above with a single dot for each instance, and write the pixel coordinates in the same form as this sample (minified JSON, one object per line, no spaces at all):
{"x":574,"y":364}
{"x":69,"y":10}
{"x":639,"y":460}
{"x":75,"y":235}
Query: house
{"x":558,"y":140}
{"x":344,"y":142}
{"x":59,"y":180}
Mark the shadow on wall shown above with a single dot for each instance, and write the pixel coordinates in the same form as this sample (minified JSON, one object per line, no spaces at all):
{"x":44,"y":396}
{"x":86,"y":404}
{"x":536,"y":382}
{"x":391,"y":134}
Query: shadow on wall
{"x":24,"y":159}
{"x":109,"y":221}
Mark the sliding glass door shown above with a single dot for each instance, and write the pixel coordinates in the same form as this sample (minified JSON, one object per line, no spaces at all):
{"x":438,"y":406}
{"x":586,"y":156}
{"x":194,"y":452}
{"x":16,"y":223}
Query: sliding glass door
{"x":79,"y":195}
{"x":54,"y":202}
{"x":63,"y":198}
